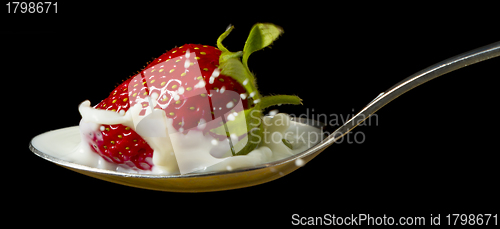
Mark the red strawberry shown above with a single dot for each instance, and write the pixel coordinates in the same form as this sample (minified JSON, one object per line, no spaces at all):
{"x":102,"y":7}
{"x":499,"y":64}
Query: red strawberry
{"x":187,"y":84}
{"x":193,"y":84}
{"x":121,"y":145}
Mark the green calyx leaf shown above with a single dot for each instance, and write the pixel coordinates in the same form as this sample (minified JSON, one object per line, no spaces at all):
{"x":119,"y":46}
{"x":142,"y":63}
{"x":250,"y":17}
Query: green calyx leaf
{"x":274,"y":100}
{"x":222,"y":37}
{"x":230,"y":65}
{"x":261,"y":35}
{"x":225,"y":53}
{"x":252,"y":117}
{"x":240,"y":124}
{"x":234,"y":68}
{"x":254,"y":137}
{"x":246,"y":122}
{"x":287,"y":143}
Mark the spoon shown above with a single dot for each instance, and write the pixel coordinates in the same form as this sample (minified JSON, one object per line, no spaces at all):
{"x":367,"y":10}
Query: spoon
{"x":244,"y":177}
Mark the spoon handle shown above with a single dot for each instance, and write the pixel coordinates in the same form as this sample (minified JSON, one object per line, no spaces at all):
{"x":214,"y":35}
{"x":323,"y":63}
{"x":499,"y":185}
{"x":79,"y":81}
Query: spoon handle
{"x":429,"y":73}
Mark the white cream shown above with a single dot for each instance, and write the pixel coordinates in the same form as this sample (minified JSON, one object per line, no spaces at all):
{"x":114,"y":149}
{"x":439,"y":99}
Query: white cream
{"x":152,"y":127}
{"x":67,"y":144}
{"x":274,"y":132}
{"x":175,"y":152}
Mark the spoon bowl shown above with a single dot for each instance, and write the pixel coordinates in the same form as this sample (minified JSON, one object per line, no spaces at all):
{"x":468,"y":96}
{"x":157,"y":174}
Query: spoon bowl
{"x":249,"y":176}
{"x":191,"y":182}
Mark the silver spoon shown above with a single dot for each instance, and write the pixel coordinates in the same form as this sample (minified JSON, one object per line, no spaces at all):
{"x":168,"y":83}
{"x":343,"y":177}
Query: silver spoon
{"x":244,"y":177}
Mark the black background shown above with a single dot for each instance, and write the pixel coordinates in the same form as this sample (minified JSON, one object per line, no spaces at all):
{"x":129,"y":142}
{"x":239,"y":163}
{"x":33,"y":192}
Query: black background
{"x":432,"y":150}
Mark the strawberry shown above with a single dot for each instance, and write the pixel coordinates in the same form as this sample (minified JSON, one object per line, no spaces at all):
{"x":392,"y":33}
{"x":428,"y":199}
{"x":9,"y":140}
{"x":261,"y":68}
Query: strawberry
{"x":121,"y":145}
{"x":194,"y":84}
